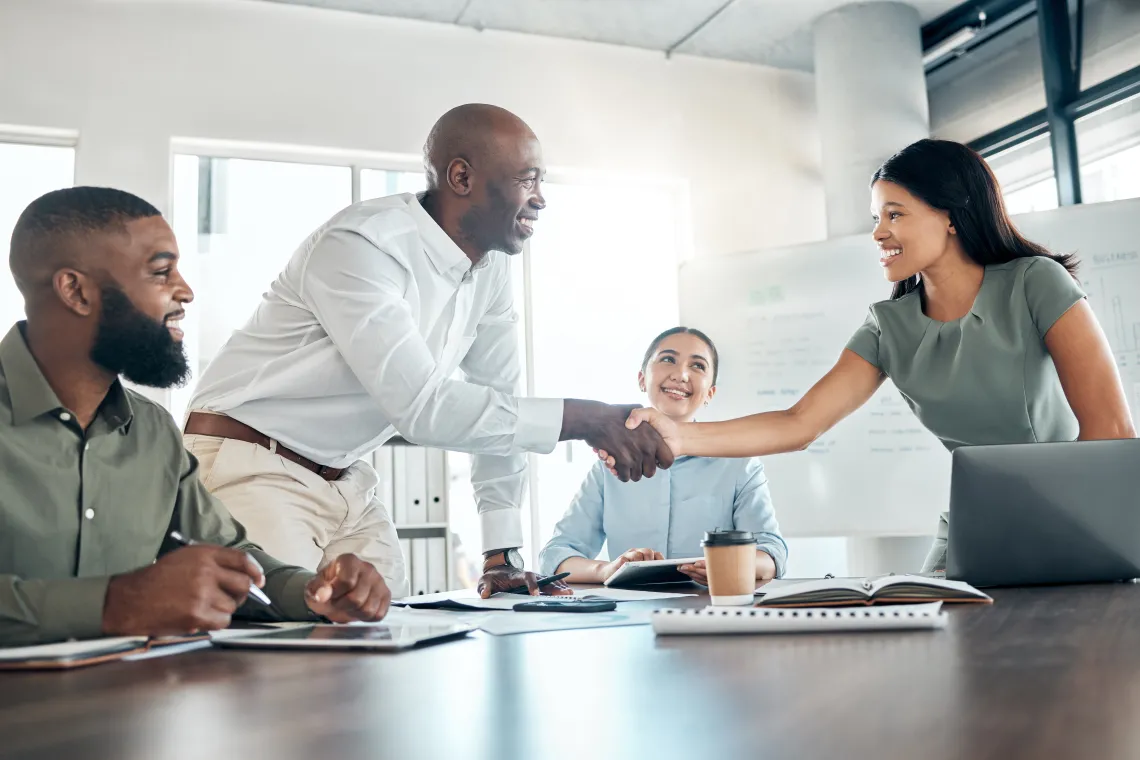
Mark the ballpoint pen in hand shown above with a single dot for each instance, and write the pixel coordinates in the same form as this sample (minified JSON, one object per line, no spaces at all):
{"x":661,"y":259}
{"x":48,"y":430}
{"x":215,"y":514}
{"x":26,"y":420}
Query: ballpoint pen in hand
{"x":254,"y":591}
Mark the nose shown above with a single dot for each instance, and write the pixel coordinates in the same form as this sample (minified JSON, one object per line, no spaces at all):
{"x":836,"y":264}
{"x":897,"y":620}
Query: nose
{"x":538,"y":202}
{"x":879,"y":232}
{"x":183,"y":293}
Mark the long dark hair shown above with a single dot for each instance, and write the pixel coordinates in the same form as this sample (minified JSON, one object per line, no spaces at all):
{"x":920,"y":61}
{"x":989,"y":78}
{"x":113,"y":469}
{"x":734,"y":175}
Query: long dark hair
{"x":949,"y":176}
{"x":687,"y":331}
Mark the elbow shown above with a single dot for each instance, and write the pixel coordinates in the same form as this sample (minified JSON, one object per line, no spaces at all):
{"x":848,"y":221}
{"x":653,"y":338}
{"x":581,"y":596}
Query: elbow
{"x":803,"y":433}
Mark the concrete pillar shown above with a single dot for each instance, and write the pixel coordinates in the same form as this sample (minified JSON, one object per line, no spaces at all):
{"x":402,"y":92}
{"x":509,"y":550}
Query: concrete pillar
{"x":870,"y":93}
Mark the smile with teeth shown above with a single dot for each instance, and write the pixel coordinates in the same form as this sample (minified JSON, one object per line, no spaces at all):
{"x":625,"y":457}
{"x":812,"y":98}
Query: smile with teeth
{"x":526,"y":223}
{"x":676,"y":393}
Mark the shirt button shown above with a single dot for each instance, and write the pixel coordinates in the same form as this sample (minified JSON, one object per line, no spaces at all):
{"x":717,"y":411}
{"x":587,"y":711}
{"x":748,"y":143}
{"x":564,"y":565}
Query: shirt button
{"x":89,"y":514}
{"x":65,"y":417}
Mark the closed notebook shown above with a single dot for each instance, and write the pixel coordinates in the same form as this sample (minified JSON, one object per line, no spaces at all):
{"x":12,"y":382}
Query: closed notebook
{"x":889,"y":589}
{"x":78,"y":654}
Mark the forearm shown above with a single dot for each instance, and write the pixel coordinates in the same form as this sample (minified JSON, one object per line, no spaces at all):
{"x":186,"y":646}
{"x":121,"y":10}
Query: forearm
{"x":581,"y":570}
{"x":755,"y":435}
{"x":765,"y":566}
{"x":38,"y":611}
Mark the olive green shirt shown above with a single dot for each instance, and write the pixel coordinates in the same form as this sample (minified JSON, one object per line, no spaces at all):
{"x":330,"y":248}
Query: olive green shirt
{"x":986,"y":378}
{"x":79,"y":507}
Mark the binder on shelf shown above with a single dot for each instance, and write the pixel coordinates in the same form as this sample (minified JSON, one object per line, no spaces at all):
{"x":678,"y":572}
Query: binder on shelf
{"x":419,"y":565}
{"x":406,"y":553}
{"x":399,"y":485}
{"x":436,"y":565}
{"x":437,"y":486}
{"x":415,"y":498}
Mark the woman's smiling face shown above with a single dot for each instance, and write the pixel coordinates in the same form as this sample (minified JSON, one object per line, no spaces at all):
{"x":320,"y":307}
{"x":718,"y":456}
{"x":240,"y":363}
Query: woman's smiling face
{"x":678,"y":377}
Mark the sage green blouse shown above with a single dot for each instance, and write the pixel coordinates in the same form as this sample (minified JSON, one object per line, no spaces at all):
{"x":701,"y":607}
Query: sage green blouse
{"x":986,"y":378}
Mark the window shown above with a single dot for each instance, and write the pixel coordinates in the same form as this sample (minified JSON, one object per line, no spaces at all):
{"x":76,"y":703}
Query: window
{"x":237,"y":222}
{"x":377,"y":183}
{"x":26,"y":173}
{"x":1025,"y":174}
{"x":603,"y":282}
{"x":1109,"y":142}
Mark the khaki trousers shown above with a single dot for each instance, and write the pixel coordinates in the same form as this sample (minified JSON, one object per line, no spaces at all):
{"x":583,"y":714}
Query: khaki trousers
{"x":297,"y":516}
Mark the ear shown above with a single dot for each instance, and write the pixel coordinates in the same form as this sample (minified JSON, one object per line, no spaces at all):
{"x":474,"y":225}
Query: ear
{"x":76,"y":291}
{"x":641,"y":381}
{"x":459,"y":176}
{"x":710,"y":394}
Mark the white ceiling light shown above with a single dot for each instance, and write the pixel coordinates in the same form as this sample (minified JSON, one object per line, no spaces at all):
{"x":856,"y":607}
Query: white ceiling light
{"x":949,"y":45}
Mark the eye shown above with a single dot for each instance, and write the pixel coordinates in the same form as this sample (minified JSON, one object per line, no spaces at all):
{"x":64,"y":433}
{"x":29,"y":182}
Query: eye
{"x":529,"y":183}
{"x":163,"y":273}
{"x":894,"y":215}
{"x":668,"y":359}
{"x":699,"y":365}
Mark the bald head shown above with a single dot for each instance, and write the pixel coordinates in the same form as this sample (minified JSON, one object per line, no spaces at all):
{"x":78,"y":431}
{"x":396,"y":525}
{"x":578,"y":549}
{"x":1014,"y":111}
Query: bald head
{"x":476,"y":133}
{"x":484,"y":175}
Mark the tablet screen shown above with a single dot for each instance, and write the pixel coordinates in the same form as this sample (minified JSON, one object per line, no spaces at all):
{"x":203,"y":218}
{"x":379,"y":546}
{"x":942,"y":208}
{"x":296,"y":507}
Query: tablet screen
{"x":377,"y":636}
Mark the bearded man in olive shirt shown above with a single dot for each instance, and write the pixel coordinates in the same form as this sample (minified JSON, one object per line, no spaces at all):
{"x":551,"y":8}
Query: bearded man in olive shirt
{"x":94,"y":477}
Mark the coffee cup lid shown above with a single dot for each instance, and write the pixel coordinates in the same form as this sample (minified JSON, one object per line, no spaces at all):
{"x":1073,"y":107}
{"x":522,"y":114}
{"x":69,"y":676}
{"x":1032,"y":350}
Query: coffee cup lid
{"x":728,"y":538}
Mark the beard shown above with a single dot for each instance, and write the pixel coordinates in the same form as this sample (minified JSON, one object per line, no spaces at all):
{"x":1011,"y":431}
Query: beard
{"x":491,"y":227}
{"x":131,"y":344}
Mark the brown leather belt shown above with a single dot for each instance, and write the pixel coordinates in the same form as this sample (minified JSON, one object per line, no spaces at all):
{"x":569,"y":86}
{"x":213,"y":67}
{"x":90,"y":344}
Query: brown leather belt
{"x":221,"y":426}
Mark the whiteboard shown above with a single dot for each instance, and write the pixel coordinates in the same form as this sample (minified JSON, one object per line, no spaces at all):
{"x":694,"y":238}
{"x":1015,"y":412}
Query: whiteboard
{"x":781,"y":317}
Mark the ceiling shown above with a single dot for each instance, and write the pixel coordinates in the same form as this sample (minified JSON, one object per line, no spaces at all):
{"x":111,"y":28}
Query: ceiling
{"x":772,"y":32}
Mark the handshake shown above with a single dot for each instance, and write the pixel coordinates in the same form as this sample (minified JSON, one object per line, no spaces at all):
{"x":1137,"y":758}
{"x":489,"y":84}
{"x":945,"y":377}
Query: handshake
{"x":630,"y":453}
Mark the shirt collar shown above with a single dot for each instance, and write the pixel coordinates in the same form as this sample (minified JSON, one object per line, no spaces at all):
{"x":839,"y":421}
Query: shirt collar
{"x":447,"y":257}
{"x":29,"y":394}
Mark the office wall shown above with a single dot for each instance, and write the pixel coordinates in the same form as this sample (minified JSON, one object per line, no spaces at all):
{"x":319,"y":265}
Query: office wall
{"x":129,"y":75}
{"x":1005,"y":82}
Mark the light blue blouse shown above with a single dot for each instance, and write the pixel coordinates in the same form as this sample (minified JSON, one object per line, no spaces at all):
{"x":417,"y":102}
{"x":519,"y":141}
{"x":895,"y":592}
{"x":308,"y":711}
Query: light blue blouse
{"x":669,"y":512}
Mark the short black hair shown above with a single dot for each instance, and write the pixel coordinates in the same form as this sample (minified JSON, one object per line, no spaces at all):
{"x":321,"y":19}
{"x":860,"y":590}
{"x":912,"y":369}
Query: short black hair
{"x":70,"y":211}
{"x":687,"y":331}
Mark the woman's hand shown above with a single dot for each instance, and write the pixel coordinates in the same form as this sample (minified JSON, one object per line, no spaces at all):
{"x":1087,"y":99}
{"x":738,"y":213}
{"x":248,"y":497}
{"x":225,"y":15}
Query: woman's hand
{"x":669,"y":430}
{"x":633,"y":555}
{"x":696,"y":572}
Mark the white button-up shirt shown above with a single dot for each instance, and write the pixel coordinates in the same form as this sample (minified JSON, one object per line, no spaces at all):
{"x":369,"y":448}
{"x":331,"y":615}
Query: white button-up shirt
{"x":358,"y":339}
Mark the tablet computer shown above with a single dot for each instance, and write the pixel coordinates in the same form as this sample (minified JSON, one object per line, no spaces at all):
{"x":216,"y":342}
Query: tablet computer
{"x":651,"y":571}
{"x":379,"y":637}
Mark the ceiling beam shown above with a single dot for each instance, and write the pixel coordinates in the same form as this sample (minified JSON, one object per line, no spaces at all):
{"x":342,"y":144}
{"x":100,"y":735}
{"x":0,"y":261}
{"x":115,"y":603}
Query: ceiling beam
{"x":698,"y":28}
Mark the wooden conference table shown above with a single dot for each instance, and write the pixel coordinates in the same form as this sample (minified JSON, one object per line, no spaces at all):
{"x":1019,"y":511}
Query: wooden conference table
{"x":1043,"y":673}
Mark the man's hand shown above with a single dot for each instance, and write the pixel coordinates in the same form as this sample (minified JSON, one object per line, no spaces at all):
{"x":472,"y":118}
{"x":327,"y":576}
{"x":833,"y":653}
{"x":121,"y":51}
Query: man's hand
{"x":505,"y":577}
{"x":192,"y":589}
{"x":639,"y":419}
{"x":348,"y":589}
{"x":633,"y":555}
{"x":635,"y":452}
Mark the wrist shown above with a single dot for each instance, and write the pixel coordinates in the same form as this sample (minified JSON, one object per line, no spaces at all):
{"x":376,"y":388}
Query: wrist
{"x":579,"y":419}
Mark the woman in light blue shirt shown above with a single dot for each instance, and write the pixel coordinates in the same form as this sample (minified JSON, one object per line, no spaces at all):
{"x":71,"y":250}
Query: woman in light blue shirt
{"x":666,"y":516}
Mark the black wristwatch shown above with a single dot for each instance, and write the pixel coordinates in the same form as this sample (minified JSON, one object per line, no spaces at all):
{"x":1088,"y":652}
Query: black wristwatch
{"x":511,"y":557}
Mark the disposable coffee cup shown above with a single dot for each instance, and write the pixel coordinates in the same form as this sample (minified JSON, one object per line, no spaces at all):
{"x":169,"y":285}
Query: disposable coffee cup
{"x":730,"y":560}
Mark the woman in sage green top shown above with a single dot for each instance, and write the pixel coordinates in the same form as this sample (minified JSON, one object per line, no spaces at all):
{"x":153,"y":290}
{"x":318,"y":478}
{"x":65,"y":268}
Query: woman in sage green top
{"x":987,"y":335}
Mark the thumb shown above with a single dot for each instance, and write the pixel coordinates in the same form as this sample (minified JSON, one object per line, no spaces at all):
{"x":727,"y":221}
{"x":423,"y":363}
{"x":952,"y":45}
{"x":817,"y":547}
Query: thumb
{"x":637,"y":417}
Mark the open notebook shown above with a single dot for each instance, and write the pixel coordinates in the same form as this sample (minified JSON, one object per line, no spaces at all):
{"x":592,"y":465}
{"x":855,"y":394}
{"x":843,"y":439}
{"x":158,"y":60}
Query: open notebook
{"x":78,"y":654}
{"x":889,"y":589}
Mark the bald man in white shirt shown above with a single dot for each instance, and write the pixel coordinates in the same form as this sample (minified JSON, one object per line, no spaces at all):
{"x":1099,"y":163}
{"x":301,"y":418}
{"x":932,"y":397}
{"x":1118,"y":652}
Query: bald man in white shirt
{"x":357,"y":341}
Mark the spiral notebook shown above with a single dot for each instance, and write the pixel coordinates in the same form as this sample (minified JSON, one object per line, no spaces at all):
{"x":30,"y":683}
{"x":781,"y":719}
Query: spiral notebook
{"x":719,"y":620}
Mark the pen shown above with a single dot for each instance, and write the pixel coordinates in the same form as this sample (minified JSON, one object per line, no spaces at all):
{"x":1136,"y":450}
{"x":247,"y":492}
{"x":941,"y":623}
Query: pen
{"x":541,"y":582}
{"x":254,"y":591}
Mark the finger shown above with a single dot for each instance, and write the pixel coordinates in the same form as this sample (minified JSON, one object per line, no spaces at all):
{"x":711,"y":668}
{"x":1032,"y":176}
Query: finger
{"x":531,"y":583}
{"x":636,"y":417}
{"x":664,"y":454}
{"x":319,"y":590}
{"x":377,"y":606}
{"x":355,"y":599}
{"x":346,"y":576}
{"x":211,"y":619}
{"x":238,"y":561}
{"x":233,"y":584}
{"x":658,"y":556}
{"x":621,"y":466}
{"x":558,"y":588}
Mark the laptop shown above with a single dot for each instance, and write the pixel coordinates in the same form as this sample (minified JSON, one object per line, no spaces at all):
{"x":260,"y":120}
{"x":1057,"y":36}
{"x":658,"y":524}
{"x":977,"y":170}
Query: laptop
{"x":1044,"y":513}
